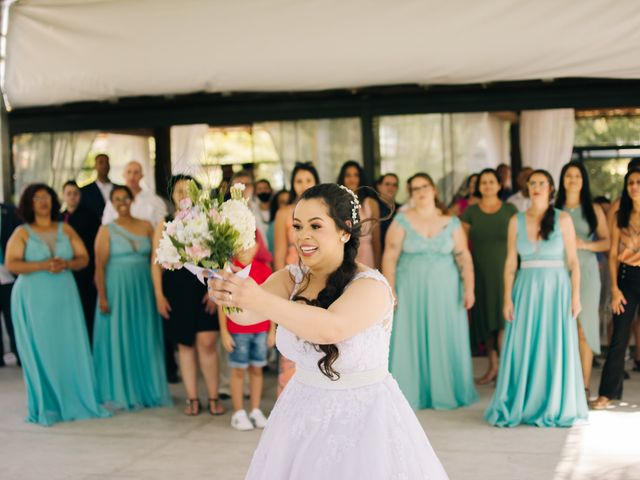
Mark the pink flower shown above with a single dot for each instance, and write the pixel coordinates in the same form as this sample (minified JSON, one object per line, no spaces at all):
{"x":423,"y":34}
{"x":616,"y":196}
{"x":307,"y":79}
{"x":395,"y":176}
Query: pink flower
{"x":197,"y":253}
{"x":185,"y":203}
{"x":181,"y":215}
{"x":215,"y":215}
{"x":171,"y":228}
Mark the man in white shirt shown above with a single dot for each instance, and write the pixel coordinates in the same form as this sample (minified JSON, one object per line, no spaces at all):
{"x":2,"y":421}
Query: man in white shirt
{"x":146,"y":204}
{"x":521,"y":198}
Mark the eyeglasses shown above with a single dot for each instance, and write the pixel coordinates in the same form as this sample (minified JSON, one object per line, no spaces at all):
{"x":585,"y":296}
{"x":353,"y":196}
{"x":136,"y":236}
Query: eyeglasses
{"x":45,"y":197}
{"x":421,"y":189}
{"x":541,"y":183}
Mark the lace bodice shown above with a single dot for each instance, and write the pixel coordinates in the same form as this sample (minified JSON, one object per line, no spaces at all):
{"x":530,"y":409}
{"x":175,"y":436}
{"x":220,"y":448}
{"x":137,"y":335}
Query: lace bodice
{"x":367,"y":350}
{"x":441,"y":244}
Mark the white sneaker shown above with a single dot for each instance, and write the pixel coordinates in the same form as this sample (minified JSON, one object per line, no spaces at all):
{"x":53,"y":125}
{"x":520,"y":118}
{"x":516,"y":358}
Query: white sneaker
{"x":258,"y":418}
{"x":240,"y":421}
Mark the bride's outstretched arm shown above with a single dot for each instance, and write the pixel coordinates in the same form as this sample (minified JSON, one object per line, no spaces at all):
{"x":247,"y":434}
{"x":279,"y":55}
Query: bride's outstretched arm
{"x":364,"y":302}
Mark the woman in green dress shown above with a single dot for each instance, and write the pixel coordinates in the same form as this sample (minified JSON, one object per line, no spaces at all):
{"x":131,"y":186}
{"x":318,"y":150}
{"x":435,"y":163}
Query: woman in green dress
{"x":427,"y":262}
{"x":127,"y":341}
{"x":592,"y":236}
{"x":486,"y":224}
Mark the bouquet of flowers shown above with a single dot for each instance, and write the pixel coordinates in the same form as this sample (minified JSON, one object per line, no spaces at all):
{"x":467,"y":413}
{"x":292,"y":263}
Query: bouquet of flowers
{"x":206,"y":233}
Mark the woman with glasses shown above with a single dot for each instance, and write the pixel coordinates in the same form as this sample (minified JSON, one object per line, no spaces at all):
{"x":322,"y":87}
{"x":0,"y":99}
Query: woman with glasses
{"x":428,"y":264}
{"x":540,"y":379}
{"x":127,"y":340}
{"x":592,"y":236}
{"x":47,"y":314}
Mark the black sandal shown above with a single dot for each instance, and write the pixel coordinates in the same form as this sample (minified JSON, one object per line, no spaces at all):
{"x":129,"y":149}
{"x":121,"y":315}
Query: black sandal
{"x":218,"y":408}
{"x":191,"y":402}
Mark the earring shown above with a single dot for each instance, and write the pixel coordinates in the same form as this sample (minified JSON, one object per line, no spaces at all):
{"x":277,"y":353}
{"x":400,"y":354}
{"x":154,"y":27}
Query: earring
{"x":344,"y":239}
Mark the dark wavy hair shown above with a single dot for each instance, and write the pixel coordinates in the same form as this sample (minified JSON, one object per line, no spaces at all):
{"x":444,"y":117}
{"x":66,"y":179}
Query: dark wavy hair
{"x":339,"y":207}
{"x":548,"y":220}
{"x":586,"y":202}
{"x":626,"y":204}
{"x":25,"y":205}
{"x":441,"y":206}
{"x":122,"y":188}
{"x":301,"y":167}
{"x":273,"y":204}
{"x":486,"y":171}
{"x":364,"y":189}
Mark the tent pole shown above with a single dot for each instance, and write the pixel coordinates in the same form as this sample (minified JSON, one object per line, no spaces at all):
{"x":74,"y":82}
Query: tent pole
{"x":162,"y":137}
{"x":368,"y":144}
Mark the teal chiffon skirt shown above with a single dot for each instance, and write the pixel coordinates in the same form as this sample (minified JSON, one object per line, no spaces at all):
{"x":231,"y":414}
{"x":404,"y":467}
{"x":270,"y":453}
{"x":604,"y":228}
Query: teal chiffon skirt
{"x":128,"y":342}
{"x":540,"y":377}
{"x":51,"y":337}
{"x":430,"y":354}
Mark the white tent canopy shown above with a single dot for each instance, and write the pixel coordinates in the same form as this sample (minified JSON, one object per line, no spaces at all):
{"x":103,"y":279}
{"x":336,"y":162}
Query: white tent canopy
{"x":66,"y":51}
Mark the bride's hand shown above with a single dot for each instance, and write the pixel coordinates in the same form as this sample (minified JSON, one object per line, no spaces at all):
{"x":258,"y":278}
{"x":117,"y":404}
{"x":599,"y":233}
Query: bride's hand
{"x":233,"y":291}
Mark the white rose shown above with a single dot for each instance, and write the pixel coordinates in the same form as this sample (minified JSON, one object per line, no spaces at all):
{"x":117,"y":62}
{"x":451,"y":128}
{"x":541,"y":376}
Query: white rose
{"x":241,"y":218}
{"x":167,"y":253}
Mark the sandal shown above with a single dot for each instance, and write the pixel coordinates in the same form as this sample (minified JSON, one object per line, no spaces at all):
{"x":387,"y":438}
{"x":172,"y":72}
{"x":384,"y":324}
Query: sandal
{"x":218,"y":408}
{"x":193,"y":407}
{"x":489,"y":377}
{"x":600,"y":403}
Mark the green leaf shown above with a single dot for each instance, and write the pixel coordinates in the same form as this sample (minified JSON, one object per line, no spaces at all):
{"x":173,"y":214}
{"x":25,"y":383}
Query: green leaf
{"x":194,"y":192}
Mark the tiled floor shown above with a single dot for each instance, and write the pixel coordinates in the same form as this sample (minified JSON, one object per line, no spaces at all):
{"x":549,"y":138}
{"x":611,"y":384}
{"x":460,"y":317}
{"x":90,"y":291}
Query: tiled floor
{"x":164,"y":444}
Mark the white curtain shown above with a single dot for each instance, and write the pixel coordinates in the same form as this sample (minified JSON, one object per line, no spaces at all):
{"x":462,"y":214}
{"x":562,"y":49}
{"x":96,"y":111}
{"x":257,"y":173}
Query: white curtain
{"x":188,"y":148}
{"x":51,"y":158}
{"x":409,"y":144}
{"x":327,"y":143}
{"x":546,"y":139}
{"x":449,"y":147}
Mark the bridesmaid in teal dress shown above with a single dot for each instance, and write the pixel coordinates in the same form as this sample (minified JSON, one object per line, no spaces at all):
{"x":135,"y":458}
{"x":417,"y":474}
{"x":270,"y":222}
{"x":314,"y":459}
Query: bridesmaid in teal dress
{"x":426,"y":255}
{"x":539,"y":379}
{"x":127,"y":341}
{"x":51,"y":333}
{"x":592,"y":236}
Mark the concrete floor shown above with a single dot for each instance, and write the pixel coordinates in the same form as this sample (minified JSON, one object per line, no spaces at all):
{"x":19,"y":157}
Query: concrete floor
{"x":164,"y":444}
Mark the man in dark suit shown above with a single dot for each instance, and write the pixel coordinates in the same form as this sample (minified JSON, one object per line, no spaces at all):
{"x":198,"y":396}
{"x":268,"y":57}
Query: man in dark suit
{"x":9,"y":220}
{"x":96,"y":195}
{"x":86,"y":223}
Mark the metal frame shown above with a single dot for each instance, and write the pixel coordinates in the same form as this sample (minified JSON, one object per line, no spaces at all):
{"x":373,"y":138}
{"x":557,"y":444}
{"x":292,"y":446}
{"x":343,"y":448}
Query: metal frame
{"x":160,"y":113}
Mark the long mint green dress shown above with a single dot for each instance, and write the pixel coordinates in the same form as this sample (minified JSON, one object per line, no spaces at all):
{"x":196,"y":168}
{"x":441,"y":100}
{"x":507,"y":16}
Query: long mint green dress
{"x":589,"y":282}
{"x":128,"y":341}
{"x":51,"y":336}
{"x":430,"y":355}
{"x":540,"y":378}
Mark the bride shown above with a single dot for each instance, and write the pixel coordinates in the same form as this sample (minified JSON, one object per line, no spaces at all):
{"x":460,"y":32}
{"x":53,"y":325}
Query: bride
{"x":342,"y":416}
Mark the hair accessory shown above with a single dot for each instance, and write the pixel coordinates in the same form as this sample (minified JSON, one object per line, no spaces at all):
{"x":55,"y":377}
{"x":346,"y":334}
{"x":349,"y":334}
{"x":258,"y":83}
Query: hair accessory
{"x":355,"y":204}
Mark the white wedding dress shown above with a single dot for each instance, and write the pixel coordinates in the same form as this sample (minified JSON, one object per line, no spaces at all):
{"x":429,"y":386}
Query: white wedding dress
{"x":359,"y":427}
